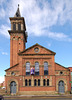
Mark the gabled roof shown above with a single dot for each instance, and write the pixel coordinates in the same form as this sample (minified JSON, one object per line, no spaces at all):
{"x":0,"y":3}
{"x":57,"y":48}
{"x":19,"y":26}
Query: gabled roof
{"x":34,"y":46}
{"x":12,"y":67}
{"x":61,"y":66}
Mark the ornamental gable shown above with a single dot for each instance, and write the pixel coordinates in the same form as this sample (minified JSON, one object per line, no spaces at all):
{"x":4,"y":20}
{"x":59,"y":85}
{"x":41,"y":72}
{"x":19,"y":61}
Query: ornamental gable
{"x":37,"y":49}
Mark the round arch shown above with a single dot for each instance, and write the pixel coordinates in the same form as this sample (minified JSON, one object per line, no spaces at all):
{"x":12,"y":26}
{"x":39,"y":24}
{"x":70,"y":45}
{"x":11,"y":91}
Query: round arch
{"x":9,"y":82}
{"x":65,"y":83}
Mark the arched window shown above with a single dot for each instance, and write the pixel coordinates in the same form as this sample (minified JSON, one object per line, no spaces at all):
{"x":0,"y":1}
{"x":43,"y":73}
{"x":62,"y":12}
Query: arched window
{"x":29,"y":82}
{"x":19,"y":26}
{"x":44,"y":82}
{"x":25,"y":82}
{"x":38,"y":82}
{"x":36,"y":68}
{"x":35,"y":82}
{"x":47,"y":82}
{"x":45,"y":68}
{"x":14,"y":26}
{"x":27,"y":68}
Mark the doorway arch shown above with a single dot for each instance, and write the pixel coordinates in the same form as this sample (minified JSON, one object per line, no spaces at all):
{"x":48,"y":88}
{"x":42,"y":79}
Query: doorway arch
{"x":13,"y":87}
{"x":61,"y":87}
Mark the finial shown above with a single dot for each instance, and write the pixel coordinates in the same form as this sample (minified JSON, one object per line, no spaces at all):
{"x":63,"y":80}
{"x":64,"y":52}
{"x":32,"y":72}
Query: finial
{"x":17,"y":14}
{"x":18,"y":5}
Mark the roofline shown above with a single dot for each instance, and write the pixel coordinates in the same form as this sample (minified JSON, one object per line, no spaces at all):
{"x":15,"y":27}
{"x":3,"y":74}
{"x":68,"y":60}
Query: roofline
{"x":61,"y":65}
{"x":12,"y":67}
{"x":33,"y":46}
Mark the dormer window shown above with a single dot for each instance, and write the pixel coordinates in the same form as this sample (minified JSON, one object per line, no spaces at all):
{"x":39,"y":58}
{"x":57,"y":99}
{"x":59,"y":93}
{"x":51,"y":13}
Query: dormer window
{"x":19,"y":26}
{"x":14,"y":26}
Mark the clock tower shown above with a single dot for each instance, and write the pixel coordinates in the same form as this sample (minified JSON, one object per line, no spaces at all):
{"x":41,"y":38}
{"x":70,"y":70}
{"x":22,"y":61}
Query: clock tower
{"x":18,"y":37}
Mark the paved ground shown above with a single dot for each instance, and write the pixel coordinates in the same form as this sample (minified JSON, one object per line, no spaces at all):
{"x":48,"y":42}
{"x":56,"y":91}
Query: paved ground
{"x":39,"y":98}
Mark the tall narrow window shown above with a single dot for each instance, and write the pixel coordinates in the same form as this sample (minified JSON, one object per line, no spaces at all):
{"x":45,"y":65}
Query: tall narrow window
{"x":47,"y":82}
{"x":19,"y":26}
{"x":35,"y":82}
{"x":27,"y":68}
{"x":44,"y":82}
{"x":29,"y":82}
{"x":38,"y":82}
{"x":14,"y":26}
{"x":45,"y":68}
{"x":25,"y":82}
{"x":36,"y":68}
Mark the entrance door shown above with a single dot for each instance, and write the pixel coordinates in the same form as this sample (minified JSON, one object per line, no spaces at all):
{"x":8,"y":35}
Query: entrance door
{"x":13,"y":87}
{"x":61,"y":87}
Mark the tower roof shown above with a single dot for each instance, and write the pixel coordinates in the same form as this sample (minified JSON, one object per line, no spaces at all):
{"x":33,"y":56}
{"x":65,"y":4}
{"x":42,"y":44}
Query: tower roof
{"x":17,"y":14}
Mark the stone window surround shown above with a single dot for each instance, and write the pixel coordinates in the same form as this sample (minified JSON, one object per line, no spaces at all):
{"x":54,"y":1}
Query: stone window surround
{"x":17,"y":25}
{"x":32,"y":82}
{"x":65,"y":84}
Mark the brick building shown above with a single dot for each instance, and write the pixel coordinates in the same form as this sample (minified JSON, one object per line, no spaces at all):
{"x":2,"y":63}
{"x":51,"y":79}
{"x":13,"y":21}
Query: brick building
{"x":33,"y":70}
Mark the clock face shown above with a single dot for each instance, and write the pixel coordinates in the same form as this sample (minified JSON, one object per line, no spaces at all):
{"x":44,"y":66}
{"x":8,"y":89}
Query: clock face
{"x":36,"y":50}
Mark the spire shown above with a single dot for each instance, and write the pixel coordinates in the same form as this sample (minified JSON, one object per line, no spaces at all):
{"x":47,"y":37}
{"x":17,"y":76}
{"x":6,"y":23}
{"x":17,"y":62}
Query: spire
{"x":17,"y":14}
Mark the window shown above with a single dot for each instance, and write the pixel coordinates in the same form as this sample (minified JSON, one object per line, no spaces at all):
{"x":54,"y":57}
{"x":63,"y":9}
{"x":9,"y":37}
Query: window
{"x":61,"y":73}
{"x":47,"y":82}
{"x":71,"y":86}
{"x":14,"y":26}
{"x":19,"y":26}
{"x":45,"y":68}
{"x":27,"y":68}
{"x":25,"y":82}
{"x":36,"y":68}
{"x":36,"y":50}
{"x":38,"y":82}
{"x":13,"y":73}
{"x":71,"y":73}
{"x":29,"y":82}
{"x":35,"y":82}
{"x":44,"y":82}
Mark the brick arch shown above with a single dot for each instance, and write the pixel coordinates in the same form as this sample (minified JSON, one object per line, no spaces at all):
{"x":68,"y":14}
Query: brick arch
{"x":8,"y":84}
{"x":65,"y":83}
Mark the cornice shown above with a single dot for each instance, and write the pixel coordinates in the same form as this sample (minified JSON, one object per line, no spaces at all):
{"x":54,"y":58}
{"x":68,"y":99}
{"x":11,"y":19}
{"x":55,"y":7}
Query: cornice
{"x":33,"y":54}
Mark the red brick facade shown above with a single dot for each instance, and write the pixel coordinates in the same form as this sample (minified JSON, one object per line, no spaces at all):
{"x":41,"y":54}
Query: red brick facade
{"x":19,"y":56}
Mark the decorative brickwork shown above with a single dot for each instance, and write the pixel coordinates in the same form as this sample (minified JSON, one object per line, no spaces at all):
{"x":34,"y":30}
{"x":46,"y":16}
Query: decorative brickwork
{"x":47,"y":80}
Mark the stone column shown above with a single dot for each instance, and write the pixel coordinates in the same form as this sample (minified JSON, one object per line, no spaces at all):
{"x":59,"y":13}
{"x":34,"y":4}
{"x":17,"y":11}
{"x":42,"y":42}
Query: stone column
{"x":21,"y":26}
{"x":32,"y":82}
{"x":41,"y":82}
{"x":50,"y":81}
{"x":16,"y":26}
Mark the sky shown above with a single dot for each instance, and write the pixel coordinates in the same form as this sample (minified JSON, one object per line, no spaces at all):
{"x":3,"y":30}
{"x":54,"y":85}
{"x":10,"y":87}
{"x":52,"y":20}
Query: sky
{"x":48,"y":23}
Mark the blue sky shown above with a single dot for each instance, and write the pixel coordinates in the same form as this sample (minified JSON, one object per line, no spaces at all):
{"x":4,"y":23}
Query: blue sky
{"x":48,"y":23}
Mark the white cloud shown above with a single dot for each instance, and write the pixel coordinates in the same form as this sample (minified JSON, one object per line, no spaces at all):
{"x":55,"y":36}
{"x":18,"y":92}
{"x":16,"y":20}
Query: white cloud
{"x":4,"y":53}
{"x":41,"y":15}
{"x":1,"y":79}
{"x":2,"y":13}
{"x":4,"y":30}
{"x":1,"y":1}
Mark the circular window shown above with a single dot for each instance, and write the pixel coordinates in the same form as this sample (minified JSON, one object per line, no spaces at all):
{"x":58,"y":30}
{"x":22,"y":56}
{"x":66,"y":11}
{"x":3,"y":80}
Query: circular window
{"x":12,"y":73}
{"x":36,"y":49}
{"x":61,"y":73}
